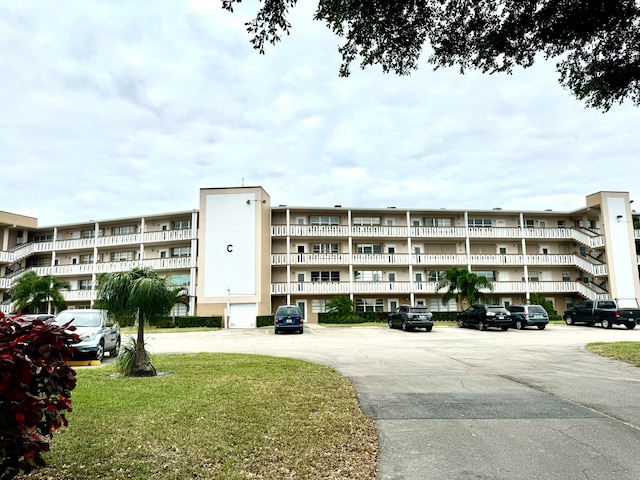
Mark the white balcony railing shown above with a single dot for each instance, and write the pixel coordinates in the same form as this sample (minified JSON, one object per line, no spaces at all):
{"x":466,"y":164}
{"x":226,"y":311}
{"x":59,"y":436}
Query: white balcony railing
{"x":406,"y":288}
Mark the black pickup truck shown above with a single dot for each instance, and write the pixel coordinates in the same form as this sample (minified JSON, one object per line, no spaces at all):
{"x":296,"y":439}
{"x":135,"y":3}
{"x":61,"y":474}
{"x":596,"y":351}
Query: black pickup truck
{"x":605,"y":312}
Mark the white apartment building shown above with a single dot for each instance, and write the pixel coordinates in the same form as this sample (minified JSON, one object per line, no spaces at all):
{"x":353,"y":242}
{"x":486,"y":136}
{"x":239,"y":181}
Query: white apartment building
{"x":242,"y":257}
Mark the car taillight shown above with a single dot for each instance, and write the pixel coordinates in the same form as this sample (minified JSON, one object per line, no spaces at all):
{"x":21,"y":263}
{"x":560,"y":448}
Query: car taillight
{"x":275,"y":320}
{"x":526,"y":315}
{"x":617,"y":314}
{"x":301,"y":320}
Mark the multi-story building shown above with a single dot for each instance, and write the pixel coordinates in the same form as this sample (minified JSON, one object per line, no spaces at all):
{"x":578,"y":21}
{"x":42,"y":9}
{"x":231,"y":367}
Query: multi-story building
{"x":243,"y":257}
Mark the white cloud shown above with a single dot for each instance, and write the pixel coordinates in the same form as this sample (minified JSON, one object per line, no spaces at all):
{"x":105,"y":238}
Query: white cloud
{"x":128,"y":108}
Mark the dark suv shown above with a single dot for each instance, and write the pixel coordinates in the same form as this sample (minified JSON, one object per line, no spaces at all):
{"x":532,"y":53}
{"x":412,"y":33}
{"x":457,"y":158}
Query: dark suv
{"x":408,"y":318}
{"x":288,"y":318}
{"x":485,"y":316}
{"x":528,"y":315}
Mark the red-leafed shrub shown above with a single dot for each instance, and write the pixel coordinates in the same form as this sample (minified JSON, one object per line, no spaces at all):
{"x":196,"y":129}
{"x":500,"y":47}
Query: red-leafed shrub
{"x":35,"y":390}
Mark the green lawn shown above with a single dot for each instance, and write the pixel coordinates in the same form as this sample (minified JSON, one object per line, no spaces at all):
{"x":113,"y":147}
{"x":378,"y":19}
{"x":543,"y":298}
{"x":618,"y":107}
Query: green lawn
{"x":628,"y":352}
{"x":214,"y":416}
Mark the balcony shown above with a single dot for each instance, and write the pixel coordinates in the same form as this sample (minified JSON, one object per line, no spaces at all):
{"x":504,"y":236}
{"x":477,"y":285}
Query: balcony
{"x":406,"y":288}
{"x":88,"y":243}
{"x":159,"y":264}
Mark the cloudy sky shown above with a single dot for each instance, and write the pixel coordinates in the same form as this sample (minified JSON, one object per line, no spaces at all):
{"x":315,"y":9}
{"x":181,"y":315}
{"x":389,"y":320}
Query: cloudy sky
{"x":121,"y":108}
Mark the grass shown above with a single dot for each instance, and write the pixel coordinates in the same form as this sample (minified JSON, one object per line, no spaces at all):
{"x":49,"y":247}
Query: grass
{"x":150,"y":329}
{"x":214,"y":416}
{"x":628,"y":352}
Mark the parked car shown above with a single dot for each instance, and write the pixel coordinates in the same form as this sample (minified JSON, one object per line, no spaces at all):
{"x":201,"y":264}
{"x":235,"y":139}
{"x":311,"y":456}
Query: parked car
{"x":605,"y":312}
{"x":528,"y":315}
{"x":37,"y":316}
{"x":288,"y":318}
{"x":99,"y":331}
{"x":410,"y":317}
{"x":485,"y":316}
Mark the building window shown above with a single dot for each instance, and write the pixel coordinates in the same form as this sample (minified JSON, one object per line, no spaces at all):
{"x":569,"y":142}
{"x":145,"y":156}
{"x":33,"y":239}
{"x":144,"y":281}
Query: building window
{"x":181,"y":224}
{"x":369,"y":305}
{"x":85,"y":259}
{"x":369,"y":248}
{"x":561,"y":224}
{"x":479,"y":222}
{"x":533,"y":276}
{"x":85,"y":285}
{"x":435,"y":276}
{"x":121,"y":256}
{"x":418,"y":276}
{"x":324,"y":220}
{"x":181,"y":252}
{"x":488,"y":274}
{"x":435,"y":305}
{"x":180,"y":279}
{"x":566,"y":277}
{"x":128,"y":230}
{"x":90,"y":233}
{"x":366,"y":221}
{"x":324,"y":248}
{"x":438,"y":222}
{"x":325,"y":276}
{"x":319,"y":305}
{"x":43,"y":237}
{"x":391,"y":276}
{"x":367,"y":276}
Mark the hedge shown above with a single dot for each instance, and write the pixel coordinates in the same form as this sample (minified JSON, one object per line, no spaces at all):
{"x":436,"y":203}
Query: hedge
{"x":264,"y":321}
{"x":186,"y":322}
{"x":362,"y":317}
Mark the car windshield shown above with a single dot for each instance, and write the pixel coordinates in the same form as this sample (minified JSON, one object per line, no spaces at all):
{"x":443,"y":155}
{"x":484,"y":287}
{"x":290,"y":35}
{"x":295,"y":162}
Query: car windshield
{"x":80,"y":318}
{"x":419,"y":310}
{"x":497,"y":309}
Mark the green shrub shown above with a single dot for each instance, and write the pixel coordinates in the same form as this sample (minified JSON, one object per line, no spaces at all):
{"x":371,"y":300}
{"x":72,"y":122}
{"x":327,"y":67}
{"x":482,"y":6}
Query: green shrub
{"x":162,"y":322}
{"x":194,"y":322}
{"x":444,"y":316}
{"x":264,"y":320}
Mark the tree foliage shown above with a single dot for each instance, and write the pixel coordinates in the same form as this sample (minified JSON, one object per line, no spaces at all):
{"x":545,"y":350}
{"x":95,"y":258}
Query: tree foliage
{"x":341,"y":307}
{"x":537,"y":299}
{"x":35,"y":390}
{"x":462,"y":284}
{"x":32,"y":293}
{"x":142,"y":293}
{"x":595,"y":43}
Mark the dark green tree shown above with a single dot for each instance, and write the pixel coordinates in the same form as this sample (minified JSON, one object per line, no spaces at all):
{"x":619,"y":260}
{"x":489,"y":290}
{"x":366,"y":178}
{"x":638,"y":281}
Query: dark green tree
{"x":32,"y":293}
{"x":595,"y":43}
{"x":462,"y":285}
{"x":341,"y":308}
{"x":537,"y":299}
{"x":142,"y":293}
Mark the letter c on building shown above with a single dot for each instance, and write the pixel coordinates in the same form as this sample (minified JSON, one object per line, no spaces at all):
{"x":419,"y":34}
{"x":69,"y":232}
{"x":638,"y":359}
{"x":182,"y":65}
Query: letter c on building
{"x":229,"y":248}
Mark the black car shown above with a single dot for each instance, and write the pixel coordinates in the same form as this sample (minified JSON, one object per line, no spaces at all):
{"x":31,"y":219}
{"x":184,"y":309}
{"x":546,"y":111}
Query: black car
{"x":485,"y":316}
{"x":288,"y":318}
{"x":409,"y":317}
{"x":528,"y":315}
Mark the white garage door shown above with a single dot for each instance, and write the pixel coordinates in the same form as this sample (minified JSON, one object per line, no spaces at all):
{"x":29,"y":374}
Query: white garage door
{"x":243,"y":315}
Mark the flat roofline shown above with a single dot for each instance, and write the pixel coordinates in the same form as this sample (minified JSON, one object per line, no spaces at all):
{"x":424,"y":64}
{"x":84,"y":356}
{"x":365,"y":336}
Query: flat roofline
{"x":119,"y":219}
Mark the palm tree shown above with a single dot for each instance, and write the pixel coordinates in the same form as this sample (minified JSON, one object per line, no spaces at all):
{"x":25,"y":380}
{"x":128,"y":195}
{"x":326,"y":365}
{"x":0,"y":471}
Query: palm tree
{"x":142,"y":293}
{"x":32,"y":293}
{"x":462,"y":284}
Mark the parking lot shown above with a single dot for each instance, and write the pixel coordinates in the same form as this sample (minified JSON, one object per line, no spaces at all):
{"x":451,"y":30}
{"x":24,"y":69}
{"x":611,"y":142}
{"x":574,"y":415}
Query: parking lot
{"x":463,"y":404}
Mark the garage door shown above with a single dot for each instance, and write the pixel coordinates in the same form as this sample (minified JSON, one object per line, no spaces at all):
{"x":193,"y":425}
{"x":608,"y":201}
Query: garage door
{"x":243,"y":315}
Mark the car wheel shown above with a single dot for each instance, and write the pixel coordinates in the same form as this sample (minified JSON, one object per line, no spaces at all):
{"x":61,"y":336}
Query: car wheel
{"x":519,"y":325}
{"x":116,"y":349}
{"x":404,"y":326}
{"x":275,"y":331}
{"x":541,"y":327}
{"x":630,"y":325}
{"x":428,"y":329}
{"x":569,"y":320}
{"x":482,"y":325}
{"x":504,"y":329}
{"x":460,"y":324}
{"x":100,"y":351}
{"x":301,"y":330}
{"x":390,"y":324}
{"x":605,"y":322}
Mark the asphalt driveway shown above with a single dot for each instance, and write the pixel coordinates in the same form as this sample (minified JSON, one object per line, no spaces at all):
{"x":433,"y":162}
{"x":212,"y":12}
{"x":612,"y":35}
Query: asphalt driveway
{"x":463,"y":404}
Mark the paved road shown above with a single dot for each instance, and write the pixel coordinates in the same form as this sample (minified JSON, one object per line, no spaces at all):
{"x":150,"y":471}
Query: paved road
{"x":463,"y":404}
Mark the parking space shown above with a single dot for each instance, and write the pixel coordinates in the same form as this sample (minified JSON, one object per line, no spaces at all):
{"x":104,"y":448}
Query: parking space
{"x":461,"y":404}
